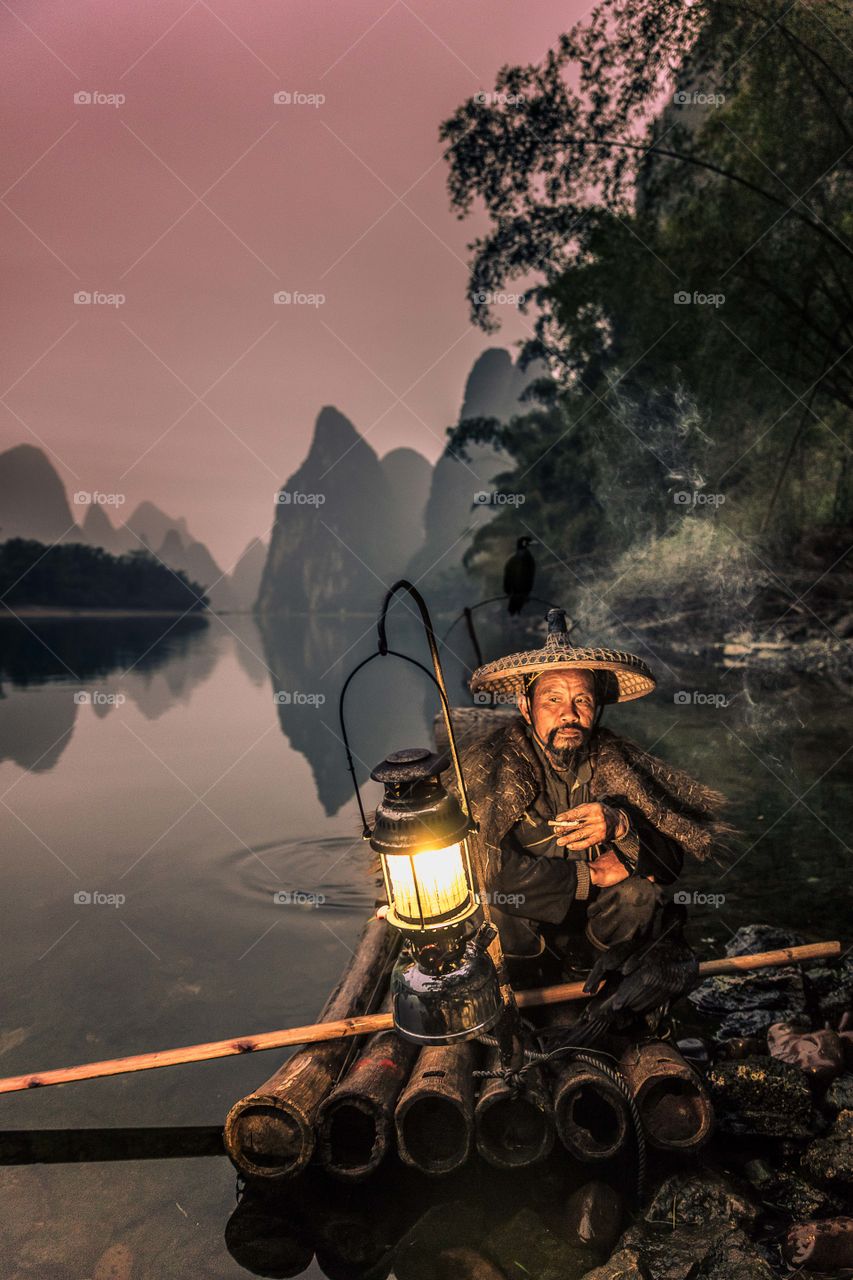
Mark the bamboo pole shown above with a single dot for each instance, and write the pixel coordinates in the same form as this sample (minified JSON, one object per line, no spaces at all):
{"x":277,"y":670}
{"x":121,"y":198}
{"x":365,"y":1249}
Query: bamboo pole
{"x":434,"y":1118}
{"x":368,"y":1023}
{"x":514,"y":1129}
{"x":271,"y":1133}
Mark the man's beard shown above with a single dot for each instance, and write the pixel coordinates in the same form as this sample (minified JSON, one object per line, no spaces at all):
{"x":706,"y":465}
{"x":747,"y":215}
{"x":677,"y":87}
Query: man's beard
{"x":565,"y":757}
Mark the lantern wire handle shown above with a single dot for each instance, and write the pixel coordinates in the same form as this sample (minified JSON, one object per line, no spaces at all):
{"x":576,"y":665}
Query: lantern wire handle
{"x":437,"y":677}
{"x":404,"y":585}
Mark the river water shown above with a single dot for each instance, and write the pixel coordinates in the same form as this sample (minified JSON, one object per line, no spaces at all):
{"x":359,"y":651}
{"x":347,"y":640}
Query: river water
{"x":182,"y":862}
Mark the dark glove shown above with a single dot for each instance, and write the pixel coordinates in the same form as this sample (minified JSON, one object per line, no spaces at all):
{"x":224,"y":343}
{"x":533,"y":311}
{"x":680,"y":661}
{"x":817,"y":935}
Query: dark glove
{"x":624,"y":913}
{"x":640,"y":979}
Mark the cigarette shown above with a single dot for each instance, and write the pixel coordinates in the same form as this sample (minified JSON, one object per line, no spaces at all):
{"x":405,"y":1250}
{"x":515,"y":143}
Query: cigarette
{"x":565,"y":826}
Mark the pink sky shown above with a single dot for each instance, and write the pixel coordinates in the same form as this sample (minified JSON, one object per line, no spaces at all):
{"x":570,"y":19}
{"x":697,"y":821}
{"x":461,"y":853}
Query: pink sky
{"x":292,"y":198}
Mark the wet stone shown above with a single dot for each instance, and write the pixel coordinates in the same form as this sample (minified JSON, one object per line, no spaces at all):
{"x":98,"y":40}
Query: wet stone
{"x":839,"y":1095}
{"x":761,"y":1096}
{"x":733,"y":1256}
{"x":526,"y":1247}
{"x":466,"y":1264}
{"x":830,"y":989}
{"x":830,"y":1159}
{"x":700,"y":1198}
{"x":623,"y":1265}
{"x":665,"y":1254}
{"x":451,"y":1225}
{"x":821,"y":1246}
{"x":817,"y":1053}
{"x":593,"y":1217}
{"x":784,"y":1192}
{"x":747,"y":1004}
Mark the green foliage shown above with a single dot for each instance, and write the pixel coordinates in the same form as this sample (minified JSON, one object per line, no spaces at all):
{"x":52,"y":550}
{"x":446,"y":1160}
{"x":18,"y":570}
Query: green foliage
{"x":665,"y":152}
{"x":76,"y":576}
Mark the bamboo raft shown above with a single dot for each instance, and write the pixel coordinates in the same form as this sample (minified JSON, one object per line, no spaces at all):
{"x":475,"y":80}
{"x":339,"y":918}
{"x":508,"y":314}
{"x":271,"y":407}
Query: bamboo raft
{"x":346,"y":1103}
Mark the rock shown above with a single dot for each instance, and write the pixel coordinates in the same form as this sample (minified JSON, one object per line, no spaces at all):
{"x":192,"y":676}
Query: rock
{"x":743,"y":1047}
{"x":830,"y":1159}
{"x":466,"y":1264}
{"x":839,"y":1095}
{"x":593,"y":1217}
{"x":818,"y":1053}
{"x":700,"y":1198}
{"x":671,"y":1255}
{"x":694,"y":1051}
{"x":821,"y":1246}
{"x":624,"y":1265}
{"x":786,"y":1192}
{"x":746,"y":1004}
{"x":525,"y":1247}
{"x":761,"y":1096}
{"x":733,"y":1257}
{"x":830,"y":989}
{"x":115,"y":1264}
{"x":454,"y":1224}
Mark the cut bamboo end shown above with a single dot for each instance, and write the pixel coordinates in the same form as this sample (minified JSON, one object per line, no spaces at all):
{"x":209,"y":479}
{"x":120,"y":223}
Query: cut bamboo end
{"x":434,"y":1119}
{"x":266,"y":1137}
{"x":513,"y":1131}
{"x":271,"y":1133}
{"x":674,"y":1106}
{"x":591,"y":1113}
{"x":355,"y":1127}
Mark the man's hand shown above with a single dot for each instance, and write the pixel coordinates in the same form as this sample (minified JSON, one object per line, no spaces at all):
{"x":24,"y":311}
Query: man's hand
{"x":607,"y":870}
{"x":595,"y":823}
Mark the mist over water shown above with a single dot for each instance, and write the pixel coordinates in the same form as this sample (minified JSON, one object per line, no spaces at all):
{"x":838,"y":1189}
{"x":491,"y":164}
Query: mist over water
{"x":183,"y":862}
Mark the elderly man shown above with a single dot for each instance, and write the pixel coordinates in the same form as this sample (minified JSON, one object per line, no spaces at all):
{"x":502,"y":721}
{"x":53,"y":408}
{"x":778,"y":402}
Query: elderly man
{"x":582,"y":829}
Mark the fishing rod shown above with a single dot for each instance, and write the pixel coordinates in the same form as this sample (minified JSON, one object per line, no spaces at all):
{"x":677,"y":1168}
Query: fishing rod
{"x":365,"y":1024}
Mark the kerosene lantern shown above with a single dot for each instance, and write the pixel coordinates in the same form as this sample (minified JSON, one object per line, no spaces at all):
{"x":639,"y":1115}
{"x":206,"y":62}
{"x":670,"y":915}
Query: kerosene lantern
{"x":444,"y":986}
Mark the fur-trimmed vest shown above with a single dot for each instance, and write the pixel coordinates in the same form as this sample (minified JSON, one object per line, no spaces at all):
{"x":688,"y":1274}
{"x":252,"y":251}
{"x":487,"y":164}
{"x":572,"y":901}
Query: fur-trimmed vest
{"x":503,"y":776}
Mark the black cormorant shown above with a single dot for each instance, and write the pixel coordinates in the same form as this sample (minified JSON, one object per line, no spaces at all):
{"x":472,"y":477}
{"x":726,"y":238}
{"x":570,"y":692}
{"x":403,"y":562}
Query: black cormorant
{"x":519,"y":572}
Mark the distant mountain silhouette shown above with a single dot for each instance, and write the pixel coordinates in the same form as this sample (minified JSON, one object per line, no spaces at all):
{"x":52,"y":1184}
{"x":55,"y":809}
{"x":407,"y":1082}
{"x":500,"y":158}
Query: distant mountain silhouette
{"x":452,"y":512}
{"x":151,"y":525}
{"x":410,"y":477}
{"x":246,"y":574}
{"x":34,"y":506}
{"x":333,"y":541}
{"x":97,"y":530}
{"x":33,"y":503}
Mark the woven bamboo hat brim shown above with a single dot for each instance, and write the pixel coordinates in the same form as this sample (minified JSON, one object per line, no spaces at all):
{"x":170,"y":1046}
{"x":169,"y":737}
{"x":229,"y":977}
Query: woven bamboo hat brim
{"x":629,"y":677}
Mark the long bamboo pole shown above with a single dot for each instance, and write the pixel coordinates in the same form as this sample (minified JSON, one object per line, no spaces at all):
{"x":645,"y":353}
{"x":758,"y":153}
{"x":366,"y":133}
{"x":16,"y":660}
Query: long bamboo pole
{"x":369,"y":1023}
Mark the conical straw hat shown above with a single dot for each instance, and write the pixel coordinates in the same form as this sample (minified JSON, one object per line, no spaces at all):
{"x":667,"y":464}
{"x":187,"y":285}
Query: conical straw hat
{"x":629,"y":676}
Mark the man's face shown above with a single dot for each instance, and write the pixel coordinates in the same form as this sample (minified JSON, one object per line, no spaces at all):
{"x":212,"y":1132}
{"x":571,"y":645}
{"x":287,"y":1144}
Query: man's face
{"x":561,"y":710}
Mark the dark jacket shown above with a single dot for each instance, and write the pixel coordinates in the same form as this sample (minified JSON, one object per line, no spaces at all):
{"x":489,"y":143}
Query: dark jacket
{"x":671,"y":813}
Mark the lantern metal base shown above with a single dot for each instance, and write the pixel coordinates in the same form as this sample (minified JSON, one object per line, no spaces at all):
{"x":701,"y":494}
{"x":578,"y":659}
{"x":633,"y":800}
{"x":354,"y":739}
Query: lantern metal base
{"x":459,"y":1003}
